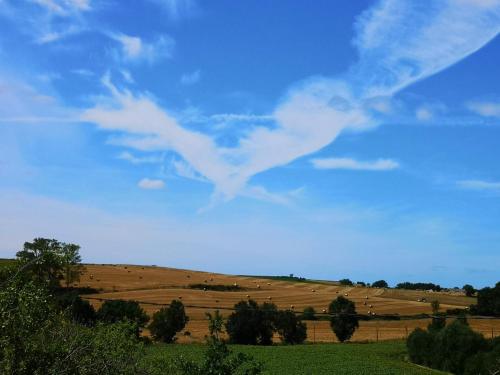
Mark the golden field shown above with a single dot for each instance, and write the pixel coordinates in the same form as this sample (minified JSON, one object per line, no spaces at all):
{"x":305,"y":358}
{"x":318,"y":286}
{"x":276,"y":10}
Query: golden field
{"x":152,"y":286}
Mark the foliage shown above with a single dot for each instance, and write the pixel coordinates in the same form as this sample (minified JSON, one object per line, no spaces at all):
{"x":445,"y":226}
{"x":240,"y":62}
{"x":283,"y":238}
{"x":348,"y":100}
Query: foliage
{"x":290,"y":328}
{"x":380,"y":284}
{"x":35,"y":339}
{"x":216,"y":287}
{"x":488,"y":301}
{"x":309,"y":314}
{"x":346,"y":282}
{"x":113,"y":311}
{"x":252,"y":324}
{"x":218,"y":358}
{"x":450,"y":349}
{"x":420,"y":346}
{"x":78,"y":310}
{"x":168,"y":321}
{"x":382,"y":358}
{"x":419,"y":286}
{"x":47,"y":261}
{"x":469,"y":290}
{"x":344,"y":320}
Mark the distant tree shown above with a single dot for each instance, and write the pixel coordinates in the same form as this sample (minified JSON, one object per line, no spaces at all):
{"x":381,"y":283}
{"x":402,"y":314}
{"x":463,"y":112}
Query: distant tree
{"x":469,"y":290}
{"x":71,"y":263}
{"x":344,"y":320}
{"x":290,"y":328}
{"x":345,"y":282}
{"x":168,"y":321}
{"x":361,"y":283}
{"x":309,"y":313}
{"x":419,"y":286}
{"x":113,"y":311}
{"x":438,"y":321}
{"x":488,"y":301}
{"x":251,"y":324}
{"x":380,"y":284}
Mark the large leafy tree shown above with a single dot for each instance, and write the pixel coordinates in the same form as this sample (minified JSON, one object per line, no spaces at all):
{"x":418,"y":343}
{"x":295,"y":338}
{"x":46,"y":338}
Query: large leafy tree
{"x":48,"y":261}
{"x":168,"y":321}
{"x":344,"y":320}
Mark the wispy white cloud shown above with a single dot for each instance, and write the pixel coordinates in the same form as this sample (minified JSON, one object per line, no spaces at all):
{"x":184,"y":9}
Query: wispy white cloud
{"x":139,"y":159}
{"x":191,"y":78}
{"x":424,"y":114}
{"x":151,"y":184}
{"x":127,"y":76}
{"x":485,"y":108}
{"x":133,"y":48}
{"x":399,"y":43}
{"x":348,"y":163}
{"x":178,"y":9}
{"x":479,"y":185}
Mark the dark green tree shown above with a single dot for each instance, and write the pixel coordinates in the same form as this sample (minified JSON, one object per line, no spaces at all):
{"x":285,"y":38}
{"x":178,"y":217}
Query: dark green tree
{"x":71,"y":263}
{"x":168,"y":321}
{"x":469,"y":290}
{"x":309,"y":314}
{"x":346,"y":282}
{"x":251,"y":324}
{"x":380,"y":284}
{"x":344,"y":320}
{"x":290,"y":328}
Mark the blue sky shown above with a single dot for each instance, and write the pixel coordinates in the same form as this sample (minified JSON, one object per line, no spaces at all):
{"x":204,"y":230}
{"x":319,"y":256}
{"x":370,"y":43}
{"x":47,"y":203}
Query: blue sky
{"x":339,"y":139}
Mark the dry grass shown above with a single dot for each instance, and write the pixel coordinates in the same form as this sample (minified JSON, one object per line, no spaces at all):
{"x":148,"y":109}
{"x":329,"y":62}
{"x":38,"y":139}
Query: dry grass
{"x":148,"y":284}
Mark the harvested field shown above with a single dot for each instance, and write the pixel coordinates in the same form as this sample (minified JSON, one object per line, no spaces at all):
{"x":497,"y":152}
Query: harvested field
{"x":154,"y":286}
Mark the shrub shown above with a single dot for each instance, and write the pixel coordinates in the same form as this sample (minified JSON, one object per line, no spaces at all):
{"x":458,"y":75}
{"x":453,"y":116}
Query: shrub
{"x":454,"y":345}
{"x":168,"y":321}
{"x":485,"y":363}
{"x":290,"y":328}
{"x":418,"y":286}
{"x":113,"y":311}
{"x":79,"y":310}
{"x":309,"y":314}
{"x":380,"y":284}
{"x":344,"y":320}
{"x":216,"y":287}
{"x":218,"y":358}
{"x":251,"y":324}
{"x":420,"y":347}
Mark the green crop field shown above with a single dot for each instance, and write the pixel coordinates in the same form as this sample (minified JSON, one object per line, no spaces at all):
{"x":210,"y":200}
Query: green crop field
{"x":386,"y":358}
{"x":6,"y":262}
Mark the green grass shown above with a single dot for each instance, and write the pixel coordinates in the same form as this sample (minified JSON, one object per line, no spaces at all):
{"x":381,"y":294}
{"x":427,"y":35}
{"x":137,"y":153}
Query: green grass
{"x":385,"y":358}
{"x":6,"y":262}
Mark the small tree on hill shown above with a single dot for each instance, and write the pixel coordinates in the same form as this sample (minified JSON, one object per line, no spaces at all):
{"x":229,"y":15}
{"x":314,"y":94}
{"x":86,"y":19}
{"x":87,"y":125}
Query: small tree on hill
{"x":380,"y":284}
{"x":251,"y":324}
{"x":469,"y":290}
{"x":71,"y":263}
{"x":290,"y":328}
{"x":168,"y":321}
{"x":309,"y":314}
{"x":344,"y":320}
{"x":346,"y":282}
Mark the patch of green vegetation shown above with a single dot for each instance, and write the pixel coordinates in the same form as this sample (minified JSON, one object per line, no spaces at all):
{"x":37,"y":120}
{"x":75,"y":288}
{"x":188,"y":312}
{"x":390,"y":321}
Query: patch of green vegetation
{"x":7,"y":262}
{"x":293,"y":279}
{"x":216,"y":287}
{"x":385,"y":358}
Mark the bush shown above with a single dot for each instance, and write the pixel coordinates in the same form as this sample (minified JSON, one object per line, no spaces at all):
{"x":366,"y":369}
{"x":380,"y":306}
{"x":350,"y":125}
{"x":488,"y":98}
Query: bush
{"x":469,"y":290}
{"x":36,"y":339}
{"x":380,"y":284}
{"x":454,"y":345}
{"x":344,"y":320}
{"x":420,"y":347}
{"x":309,"y":314}
{"x":419,"y":286}
{"x":251,"y":324}
{"x":79,"y":310}
{"x":216,"y":287}
{"x":168,"y":321}
{"x":485,"y":363}
{"x":290,"y":328}
{"x":113,"y":311}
